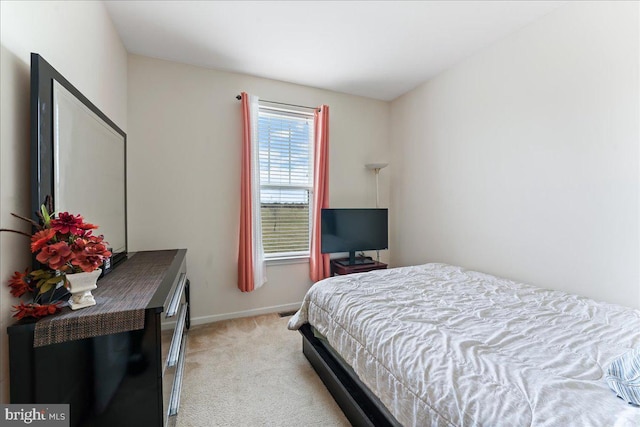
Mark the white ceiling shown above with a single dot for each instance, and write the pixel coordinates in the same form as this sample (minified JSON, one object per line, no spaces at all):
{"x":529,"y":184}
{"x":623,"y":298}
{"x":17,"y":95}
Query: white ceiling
{"x":377,"y":49}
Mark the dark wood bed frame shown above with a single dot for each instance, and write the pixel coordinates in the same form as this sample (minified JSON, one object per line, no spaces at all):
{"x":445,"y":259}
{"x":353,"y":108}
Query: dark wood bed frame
{"x":359,"y":404}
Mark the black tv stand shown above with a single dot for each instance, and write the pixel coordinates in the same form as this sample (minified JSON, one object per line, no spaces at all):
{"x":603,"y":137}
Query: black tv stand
{"x":356,"y":261}
{"x":341,"y":266}
{"x":353,"y":260}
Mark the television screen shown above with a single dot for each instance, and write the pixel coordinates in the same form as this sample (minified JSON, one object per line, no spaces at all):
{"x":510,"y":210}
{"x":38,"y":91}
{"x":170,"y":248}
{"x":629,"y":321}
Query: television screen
{"x":352,"y":230}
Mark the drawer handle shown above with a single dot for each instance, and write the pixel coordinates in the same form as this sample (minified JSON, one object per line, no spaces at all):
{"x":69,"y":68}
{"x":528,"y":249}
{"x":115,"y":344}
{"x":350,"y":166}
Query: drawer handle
{"x":174,"y":349}
{"x":174,"y":402}
{"x":177,"y":295}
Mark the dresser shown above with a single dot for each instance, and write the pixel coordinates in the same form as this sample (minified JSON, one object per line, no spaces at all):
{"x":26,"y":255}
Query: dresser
{"x":120,"y":362}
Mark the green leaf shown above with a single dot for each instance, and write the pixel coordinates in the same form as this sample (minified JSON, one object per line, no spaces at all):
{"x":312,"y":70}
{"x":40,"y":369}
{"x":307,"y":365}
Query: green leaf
{"x":54,"y":280}
{"x":45,"y":216}
{"x":41,"y":274}
{"x":46,"y":288}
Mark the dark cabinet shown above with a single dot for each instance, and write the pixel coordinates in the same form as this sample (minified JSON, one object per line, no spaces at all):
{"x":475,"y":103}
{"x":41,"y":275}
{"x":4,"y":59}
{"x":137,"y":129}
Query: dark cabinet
{"x":340,"y":266}
{"x":130,"y":377}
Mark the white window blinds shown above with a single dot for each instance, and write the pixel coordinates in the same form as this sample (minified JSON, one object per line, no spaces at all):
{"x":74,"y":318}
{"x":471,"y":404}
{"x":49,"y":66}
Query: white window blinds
{"x":286,"y":180}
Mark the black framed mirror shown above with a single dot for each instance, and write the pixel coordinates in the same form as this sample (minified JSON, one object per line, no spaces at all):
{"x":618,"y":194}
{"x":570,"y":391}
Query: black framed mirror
{"x":78,"y":156}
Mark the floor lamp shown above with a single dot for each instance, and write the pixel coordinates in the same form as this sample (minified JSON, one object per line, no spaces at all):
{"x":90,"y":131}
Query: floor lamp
{"x":375,"y":167}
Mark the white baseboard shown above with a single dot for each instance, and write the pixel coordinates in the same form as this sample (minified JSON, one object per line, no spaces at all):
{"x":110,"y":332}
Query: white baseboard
{"x":201,"y":320}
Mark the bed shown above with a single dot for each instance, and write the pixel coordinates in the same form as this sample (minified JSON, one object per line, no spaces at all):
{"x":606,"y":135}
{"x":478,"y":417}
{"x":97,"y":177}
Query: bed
{"x":439,"y":345}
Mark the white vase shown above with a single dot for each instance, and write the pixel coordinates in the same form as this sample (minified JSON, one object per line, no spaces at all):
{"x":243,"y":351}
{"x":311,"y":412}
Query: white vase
{"x":80,"y":286}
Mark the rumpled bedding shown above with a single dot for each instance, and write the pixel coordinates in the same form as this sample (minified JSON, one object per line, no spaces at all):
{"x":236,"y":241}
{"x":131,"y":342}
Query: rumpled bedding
{"x":444,"y":346}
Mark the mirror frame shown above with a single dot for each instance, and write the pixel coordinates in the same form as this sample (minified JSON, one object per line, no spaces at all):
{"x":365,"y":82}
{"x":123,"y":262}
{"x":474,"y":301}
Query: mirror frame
{"x":42,"y":132}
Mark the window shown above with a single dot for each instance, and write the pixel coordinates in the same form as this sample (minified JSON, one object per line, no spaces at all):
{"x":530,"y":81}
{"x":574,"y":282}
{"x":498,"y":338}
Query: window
{"x":286,"y":181}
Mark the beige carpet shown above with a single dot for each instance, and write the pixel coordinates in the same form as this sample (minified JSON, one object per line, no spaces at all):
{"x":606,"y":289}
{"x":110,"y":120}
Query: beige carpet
{"x":251,"y":372}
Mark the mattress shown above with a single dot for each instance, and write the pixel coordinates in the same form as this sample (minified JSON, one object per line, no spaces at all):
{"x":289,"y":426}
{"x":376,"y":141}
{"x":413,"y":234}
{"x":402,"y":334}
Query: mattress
{"x":444,"y":346}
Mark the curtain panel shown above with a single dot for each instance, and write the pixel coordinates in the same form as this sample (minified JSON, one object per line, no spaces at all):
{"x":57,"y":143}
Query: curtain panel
{"x":251,"y":264}
{"x":318,"y":262}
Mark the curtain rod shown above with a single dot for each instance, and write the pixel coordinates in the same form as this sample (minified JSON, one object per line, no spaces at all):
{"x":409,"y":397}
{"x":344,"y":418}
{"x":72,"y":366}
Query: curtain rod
{"x":238,"y":97}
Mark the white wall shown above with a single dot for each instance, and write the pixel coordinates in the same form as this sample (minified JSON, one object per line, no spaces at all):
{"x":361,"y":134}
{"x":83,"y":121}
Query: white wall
{"x":184,"y":147}
{"x":522,"y":161}
{"x":79,"y":40}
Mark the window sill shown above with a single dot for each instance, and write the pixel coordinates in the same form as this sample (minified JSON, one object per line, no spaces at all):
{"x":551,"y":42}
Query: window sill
{"x":301,"y":259}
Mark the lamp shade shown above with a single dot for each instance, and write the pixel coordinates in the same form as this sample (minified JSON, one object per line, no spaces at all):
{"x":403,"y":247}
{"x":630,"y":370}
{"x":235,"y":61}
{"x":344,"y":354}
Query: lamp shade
{"x":375,"y":166}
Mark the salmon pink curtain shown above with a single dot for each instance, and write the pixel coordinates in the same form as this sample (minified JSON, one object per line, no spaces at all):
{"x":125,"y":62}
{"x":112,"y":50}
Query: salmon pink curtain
{"x":318,"y":262}
{"x":251,"y":265}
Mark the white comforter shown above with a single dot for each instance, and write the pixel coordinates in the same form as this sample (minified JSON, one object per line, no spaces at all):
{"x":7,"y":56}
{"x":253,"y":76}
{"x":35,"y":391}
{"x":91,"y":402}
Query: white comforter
{"x":441,"y":346}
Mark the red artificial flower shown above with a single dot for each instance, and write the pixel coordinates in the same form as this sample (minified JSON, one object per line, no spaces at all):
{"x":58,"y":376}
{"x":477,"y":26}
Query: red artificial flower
{"x":67,"y":223}
{"x":79,"y":244}
{"x":23,"y":311}
{"x":42,"y":310}
{"x":89,"y":254}
{"x":88,"y":226}
{"x":57,"y":243}
{"x":19,"y":286}
{"x":41,"y":238}
{"x":84,"y":233}
{"x":55,"y":255}
{"x":61,"y":244}
{"x":84,"y":230}
{"x":35,"y":310}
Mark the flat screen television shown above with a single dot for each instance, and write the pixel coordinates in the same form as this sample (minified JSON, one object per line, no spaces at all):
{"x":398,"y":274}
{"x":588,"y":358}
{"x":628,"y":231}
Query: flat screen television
{"x":78,"y":157}
{"x":353,"y":230}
